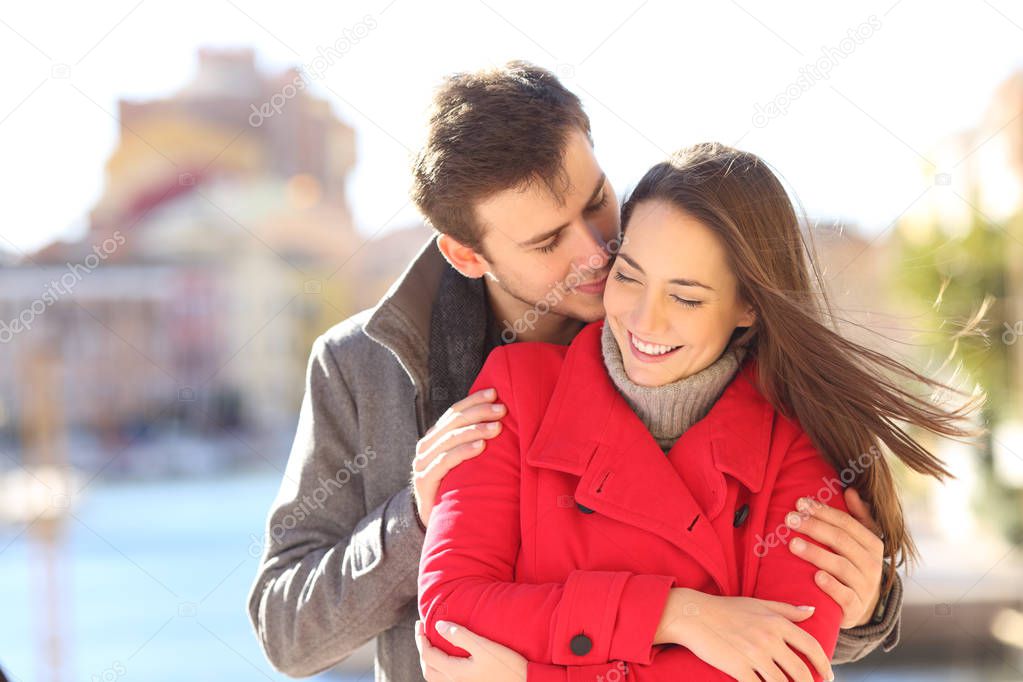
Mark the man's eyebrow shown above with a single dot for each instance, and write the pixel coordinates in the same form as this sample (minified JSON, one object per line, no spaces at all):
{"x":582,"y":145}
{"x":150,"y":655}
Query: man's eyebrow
{"x":682,"y":282}
{"x":550,"y":233}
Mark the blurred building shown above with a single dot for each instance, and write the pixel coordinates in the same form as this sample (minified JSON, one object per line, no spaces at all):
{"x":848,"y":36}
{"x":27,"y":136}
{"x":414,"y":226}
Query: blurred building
{"x":221,"y":247}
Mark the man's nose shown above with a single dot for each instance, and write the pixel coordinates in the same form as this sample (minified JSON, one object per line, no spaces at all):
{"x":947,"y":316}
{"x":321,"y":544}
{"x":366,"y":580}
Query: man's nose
{"x":594,"y":248}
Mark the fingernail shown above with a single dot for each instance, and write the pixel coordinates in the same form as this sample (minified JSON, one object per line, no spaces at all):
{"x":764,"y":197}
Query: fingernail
{"x":802,"y":504}
{"x":492,"y":426}
{"x":491,"y":393}
{"x":820,"y":577}
{"x":798,"y":545}
{"x":807,"y":608}
{"x":443,"y":627}
{"x":497,"y":407}
{"x":792,"y":519}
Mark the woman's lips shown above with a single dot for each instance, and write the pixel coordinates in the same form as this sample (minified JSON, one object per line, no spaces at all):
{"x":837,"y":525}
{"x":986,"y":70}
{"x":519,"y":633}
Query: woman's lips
{"x":593,"y":287}
{"x":646,"y":357}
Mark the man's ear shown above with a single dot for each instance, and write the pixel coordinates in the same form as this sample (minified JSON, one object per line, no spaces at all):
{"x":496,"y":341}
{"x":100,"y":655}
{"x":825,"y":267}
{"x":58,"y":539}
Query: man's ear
{"x":462,"y":258}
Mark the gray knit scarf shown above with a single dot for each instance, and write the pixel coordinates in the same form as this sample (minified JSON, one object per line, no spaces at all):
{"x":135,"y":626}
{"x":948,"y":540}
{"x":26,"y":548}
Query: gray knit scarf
{"x":669,"y":410}
{"x":463,"y":331}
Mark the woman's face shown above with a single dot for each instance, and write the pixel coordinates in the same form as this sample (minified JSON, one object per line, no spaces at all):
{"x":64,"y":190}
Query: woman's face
{"x":671,"y":289}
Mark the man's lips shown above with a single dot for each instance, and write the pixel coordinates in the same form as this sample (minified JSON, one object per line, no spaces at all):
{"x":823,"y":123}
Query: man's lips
{"x":594,"y":287}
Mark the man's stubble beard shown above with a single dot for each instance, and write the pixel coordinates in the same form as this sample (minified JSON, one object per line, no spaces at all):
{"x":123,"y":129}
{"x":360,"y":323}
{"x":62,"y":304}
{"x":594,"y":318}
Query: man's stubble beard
{"x":562,"y":295}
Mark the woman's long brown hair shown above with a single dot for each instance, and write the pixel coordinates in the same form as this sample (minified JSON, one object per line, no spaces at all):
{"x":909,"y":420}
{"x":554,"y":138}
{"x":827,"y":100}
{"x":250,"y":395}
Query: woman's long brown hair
{"x":850,"y":399}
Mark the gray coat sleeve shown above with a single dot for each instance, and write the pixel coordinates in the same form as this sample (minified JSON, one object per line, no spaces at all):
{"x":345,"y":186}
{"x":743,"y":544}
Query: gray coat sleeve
{"x":333,"y":574}
{"x":855,"y":643}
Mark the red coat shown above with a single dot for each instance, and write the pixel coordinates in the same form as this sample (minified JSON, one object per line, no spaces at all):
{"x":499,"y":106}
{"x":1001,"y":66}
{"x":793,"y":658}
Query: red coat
{"x":562,"y":539}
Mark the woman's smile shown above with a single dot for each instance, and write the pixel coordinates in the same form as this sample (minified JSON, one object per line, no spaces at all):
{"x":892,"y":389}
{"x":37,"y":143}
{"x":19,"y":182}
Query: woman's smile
{"x":650,"y":352}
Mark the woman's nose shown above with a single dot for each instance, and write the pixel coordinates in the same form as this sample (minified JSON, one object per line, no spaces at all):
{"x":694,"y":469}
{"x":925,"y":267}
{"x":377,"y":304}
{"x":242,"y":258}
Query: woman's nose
{"x":646,"y":317}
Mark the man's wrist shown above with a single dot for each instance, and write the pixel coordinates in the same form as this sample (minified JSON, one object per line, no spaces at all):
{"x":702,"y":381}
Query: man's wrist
{"x":880,"y":612}
{"x":415,"y":509}
{"x":882,"y":602}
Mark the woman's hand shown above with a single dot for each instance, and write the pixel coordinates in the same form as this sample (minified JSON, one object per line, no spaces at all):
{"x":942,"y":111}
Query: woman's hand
{"x":742,"y":636}
{"x":851,"y":572}
{"x":487,"y":660}
{"x":460,"y":433}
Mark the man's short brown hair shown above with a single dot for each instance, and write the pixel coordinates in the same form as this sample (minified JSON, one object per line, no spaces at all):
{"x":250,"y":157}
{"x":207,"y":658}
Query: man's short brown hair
{"x":490,"y":131}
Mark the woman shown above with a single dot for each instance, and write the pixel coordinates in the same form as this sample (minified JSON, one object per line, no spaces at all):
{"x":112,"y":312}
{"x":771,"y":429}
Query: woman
{"x":580,"y":546}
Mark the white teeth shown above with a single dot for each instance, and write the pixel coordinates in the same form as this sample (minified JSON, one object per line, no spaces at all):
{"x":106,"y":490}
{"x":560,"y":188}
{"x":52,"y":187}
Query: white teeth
{"x":651,"y":349}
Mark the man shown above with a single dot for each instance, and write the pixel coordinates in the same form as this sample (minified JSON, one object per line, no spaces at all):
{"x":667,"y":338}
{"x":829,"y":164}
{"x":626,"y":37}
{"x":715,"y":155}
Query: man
{"x":527,"y":223}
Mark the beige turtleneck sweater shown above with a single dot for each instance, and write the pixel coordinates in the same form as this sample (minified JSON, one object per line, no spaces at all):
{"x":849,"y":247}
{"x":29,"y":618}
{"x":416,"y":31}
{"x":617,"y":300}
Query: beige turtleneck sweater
{"x":670,"y":409}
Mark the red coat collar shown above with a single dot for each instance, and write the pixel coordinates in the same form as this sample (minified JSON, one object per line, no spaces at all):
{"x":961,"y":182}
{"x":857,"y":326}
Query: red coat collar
{"x":590,"y":431}
{"x":584,"y":398}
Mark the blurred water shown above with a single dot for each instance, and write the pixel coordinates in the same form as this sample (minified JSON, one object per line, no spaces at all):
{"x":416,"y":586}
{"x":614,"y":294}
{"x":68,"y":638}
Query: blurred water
{"x":155,"y":578}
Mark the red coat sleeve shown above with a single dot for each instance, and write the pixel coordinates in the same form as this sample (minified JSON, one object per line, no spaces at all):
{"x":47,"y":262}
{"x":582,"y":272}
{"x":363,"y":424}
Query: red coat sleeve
{"x":467,"y":569}
{"x":782,"y":577}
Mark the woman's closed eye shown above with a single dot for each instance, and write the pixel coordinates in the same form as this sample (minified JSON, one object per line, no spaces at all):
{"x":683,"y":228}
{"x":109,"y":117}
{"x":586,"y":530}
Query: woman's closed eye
{"x":682,"y":301}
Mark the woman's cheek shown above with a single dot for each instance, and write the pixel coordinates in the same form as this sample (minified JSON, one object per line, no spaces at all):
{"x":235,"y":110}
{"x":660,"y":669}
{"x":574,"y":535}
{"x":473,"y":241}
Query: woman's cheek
{"x":613,"y":297}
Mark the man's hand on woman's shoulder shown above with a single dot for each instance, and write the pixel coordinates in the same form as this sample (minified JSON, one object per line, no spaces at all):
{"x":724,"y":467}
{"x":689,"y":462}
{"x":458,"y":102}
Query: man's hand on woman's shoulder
{"x":851,"y":571}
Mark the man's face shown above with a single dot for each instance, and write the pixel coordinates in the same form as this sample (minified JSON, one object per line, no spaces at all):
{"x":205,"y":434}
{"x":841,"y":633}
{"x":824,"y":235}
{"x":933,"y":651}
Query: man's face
{"x":551,"y":251}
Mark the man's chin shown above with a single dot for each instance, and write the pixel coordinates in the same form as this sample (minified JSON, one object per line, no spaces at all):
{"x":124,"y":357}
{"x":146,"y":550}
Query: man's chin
{"x":584,"y":313}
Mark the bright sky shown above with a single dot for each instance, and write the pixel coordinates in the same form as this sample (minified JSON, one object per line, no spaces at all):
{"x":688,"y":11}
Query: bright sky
{"x":654,"y":76}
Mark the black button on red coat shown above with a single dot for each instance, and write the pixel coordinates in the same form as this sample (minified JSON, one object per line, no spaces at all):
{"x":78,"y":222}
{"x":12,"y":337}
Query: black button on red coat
{"x":580,"y":645}
{"x":740,"y":515}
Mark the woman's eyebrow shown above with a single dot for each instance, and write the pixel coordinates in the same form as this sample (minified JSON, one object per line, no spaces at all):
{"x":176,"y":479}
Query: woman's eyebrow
{"x":682,"y":282}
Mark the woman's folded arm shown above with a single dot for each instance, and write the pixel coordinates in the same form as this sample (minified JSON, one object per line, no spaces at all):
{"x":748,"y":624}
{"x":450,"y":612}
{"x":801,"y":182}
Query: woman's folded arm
{"x":467,"y":571}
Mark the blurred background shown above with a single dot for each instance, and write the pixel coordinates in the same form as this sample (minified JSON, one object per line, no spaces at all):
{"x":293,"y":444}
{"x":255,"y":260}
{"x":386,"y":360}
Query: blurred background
{"x":193,"y":191}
